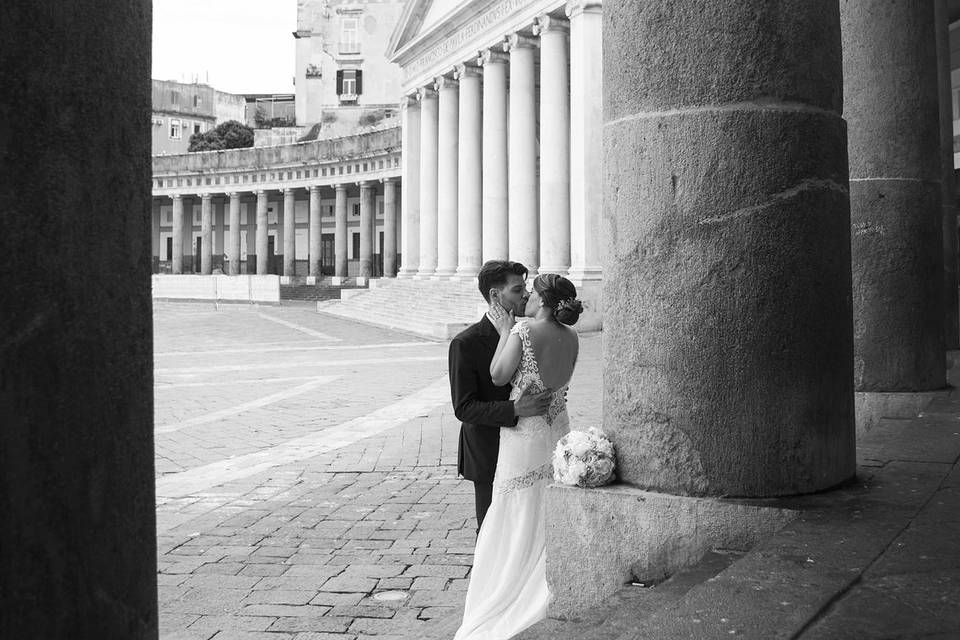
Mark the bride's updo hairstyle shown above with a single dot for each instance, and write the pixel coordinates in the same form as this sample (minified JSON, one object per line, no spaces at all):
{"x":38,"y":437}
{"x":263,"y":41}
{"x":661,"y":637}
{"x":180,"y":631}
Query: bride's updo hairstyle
{"x":559,"y":294}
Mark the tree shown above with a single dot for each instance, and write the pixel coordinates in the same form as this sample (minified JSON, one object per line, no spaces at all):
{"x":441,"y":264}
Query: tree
{"x":226,"y":135}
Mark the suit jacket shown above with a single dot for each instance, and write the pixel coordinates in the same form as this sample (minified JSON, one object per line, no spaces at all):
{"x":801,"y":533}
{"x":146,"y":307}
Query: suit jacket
{"x":481,"y":406}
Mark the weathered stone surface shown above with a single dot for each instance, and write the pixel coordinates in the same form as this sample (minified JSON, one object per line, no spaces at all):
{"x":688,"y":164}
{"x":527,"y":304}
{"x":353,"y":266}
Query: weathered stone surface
{"x":872,"y":407}
{"x":897,"y":286}
{"x":727,"y":341}
{"x":892,"y":108}
{"x":661,"y":56}
{"x":634,"y":535}
{"x":78,"y":541}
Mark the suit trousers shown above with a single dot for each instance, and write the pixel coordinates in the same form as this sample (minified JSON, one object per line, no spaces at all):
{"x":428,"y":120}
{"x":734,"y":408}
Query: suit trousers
{"x":483,"y":496}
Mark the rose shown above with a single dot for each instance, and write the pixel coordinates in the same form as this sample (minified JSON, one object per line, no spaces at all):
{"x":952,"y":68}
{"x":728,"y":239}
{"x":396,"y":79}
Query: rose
{"x":584,"y":459}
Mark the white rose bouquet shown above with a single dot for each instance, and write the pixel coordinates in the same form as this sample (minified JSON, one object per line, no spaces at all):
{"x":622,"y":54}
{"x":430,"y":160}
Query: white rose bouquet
{"x":584,"y":459}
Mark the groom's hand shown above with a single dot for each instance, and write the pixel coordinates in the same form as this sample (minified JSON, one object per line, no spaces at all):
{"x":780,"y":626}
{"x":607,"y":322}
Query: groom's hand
{"x":532,"y":404}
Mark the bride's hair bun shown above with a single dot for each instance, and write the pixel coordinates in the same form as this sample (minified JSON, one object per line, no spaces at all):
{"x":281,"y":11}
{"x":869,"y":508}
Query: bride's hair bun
{"x":560,"y":295}
{"x":568,"y":311}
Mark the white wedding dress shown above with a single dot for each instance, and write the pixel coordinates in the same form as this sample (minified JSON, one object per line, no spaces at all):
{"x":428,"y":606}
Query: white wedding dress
{"x":508,"y":586}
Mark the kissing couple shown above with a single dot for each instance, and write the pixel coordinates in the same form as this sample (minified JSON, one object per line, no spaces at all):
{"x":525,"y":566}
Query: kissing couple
{"x":508,"y":381}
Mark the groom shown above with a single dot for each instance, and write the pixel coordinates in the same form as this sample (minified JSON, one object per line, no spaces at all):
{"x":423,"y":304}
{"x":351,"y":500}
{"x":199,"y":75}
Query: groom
{"x":481,"y":406}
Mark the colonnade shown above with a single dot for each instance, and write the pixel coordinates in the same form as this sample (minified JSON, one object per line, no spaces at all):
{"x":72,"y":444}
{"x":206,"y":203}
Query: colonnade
{"x":226,"y":222}
{"x":474,"y":193}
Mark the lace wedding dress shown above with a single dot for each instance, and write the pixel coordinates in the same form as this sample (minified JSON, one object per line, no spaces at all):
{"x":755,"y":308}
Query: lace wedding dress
{"x":508,"y":586}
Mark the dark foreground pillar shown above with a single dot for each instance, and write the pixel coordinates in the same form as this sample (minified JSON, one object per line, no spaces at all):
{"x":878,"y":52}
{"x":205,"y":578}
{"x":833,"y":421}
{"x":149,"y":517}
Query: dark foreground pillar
{"x":891,"y":107}
{"x":948,"y":195}
{"x":78,"y":539}
{"x":727,"y":337}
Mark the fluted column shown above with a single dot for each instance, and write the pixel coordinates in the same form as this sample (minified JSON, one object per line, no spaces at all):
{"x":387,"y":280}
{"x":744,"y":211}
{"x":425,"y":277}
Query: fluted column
{"x":586,"y":134}
{"x":176,"y":260}
{"x":367,"y":202}
{"x":340,"y":232}
{"x":495,"y":201}
{"x":206,"y":234}
{"x":262,"y":234}
{"x":410,"y":188}
{"x":948,"y":197}
{"x":234,"y":256}
{"x":389,"y":227}
{"x":428,"y":182}
{"x":315,"y":263}
{"x":289,"y":232}
{"x":469,"y":174}
{"x":892,"y":110}
{"x":155,"y":236}
{"x":524,"y":230}
{"x":554,"y":145}
{"x":219,"y":233}
{"x":448,"y":109}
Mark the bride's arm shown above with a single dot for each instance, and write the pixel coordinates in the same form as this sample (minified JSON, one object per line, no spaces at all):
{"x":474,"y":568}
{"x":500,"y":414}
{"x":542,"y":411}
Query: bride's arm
{"x":506,"y":358}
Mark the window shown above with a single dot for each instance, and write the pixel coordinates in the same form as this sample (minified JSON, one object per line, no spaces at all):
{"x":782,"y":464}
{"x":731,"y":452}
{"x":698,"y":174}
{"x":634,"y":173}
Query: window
{"x":356,"y":209}
{"x":196,"y":101}
{"x":348,"y":34}
{"x":175,"y":130}
{"x":174,"y":97}
{"x":196,"y":127}
{"x":349,"y":83}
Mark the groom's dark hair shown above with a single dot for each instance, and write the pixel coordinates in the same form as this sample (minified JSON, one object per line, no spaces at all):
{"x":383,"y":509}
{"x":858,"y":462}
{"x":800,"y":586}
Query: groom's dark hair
{"x":494,"y":273}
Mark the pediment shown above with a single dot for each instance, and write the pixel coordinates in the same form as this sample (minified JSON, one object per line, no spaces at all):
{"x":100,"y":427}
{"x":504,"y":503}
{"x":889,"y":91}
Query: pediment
{"x":419,"y":17}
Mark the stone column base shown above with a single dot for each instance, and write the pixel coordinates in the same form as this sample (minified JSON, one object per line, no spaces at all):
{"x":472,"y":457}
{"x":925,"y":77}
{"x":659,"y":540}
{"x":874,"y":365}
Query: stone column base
{"x":338,"y":281}
{"x":598,"y":540}
{"x":590,"y":293}
{"x":873,"y":406}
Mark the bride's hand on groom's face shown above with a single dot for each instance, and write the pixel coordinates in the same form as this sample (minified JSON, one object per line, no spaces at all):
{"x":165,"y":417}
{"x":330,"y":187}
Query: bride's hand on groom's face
{"x":503,"y":319}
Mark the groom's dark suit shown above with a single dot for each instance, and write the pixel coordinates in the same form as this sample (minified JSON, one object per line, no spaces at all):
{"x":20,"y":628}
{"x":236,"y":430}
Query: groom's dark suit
{"x":481,"y":406}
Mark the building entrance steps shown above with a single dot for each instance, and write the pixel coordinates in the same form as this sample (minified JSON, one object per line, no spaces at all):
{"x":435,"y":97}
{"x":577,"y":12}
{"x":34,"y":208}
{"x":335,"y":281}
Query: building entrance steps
{"x":437,"y":309}
{"x":876,"y":558}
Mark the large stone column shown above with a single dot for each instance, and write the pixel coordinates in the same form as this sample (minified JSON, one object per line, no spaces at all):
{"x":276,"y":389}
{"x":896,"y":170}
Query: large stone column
{"x":469,"y":174}
{"x":367,"y":202}
{"x":78,"y":542}
{"x":389,"y":228}
{"x":524,"y":228}
{"x":727,"y":338}
{"x":262,"y":234}
{"x":891,"y":107}
{"x":554,"y":146}
{"x":176,"y":260}
{"x":206,"y":234}
{"x":340,"y":232}
{"x":428,"y":182}
{"x":447,"y":175}
{"x":234,"y":256}
{"x":219,"y":235}
{"x":289,"y":232}
{"x":948,"y":194}
{"x":410,"y":188}
{"x":495,"y":201}
{"x":316,"y":262}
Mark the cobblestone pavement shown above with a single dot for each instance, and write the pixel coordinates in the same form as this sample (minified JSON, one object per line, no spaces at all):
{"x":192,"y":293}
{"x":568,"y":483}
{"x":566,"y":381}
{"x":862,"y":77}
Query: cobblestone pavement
{"x":306,"y":476}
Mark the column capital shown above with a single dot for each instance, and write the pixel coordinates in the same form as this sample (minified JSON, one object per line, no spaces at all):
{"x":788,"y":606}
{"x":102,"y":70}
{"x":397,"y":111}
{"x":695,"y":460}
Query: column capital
{"x":411,"y":100}
{"x":426,"y":93}
{"x":288,"y":191}
{"x":445,"y":82}
{"x":313,"y":188}
{"x":365,"y":184}
{"x":232,"y":194}
{"x":340,"y":186}
{"x":388,"y":180}
{"x":466,"y":70}
{"x":261,"y":193}
{"x":520,"y":41}
{"x":577,"y":7}
{"x":205,"y":197}
{"x":491,"y":56}
{"x":176,"y":196}
{"x":547,"y":23}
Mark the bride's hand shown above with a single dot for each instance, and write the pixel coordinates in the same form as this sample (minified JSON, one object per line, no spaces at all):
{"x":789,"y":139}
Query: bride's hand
{"x":504,"y":320}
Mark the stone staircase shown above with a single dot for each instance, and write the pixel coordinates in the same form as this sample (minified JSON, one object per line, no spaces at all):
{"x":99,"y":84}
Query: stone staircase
{"x":299,"y":291}
{"x":437,"y":309}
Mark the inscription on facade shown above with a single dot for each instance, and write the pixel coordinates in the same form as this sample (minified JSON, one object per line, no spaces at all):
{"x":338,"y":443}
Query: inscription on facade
{"x":496,"y":13}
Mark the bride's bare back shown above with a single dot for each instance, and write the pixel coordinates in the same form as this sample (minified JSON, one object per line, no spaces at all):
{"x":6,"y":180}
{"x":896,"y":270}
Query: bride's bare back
{"x":555,"y":347}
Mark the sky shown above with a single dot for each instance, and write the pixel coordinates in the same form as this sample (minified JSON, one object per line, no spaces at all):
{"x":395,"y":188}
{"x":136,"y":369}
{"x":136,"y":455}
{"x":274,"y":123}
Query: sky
{"x":237,"y":46}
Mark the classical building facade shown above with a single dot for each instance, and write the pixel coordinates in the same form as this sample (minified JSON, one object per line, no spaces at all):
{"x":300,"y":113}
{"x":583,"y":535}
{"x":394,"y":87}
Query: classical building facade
{"x":501,"y":112}
{"x":327,"y":207}
{"x":182,"y":109}
{"x":342,"y":72}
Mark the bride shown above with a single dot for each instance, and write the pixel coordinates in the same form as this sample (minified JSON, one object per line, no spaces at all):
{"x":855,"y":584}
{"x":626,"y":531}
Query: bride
{"x":508,"y":585}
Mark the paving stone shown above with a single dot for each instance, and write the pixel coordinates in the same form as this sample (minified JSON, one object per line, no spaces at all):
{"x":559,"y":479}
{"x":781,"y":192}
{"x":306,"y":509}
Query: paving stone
{"x":294,"y":624}
{"x":344,"y":584}
{"x":437,"y":570}
{"x":278,"y":596}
